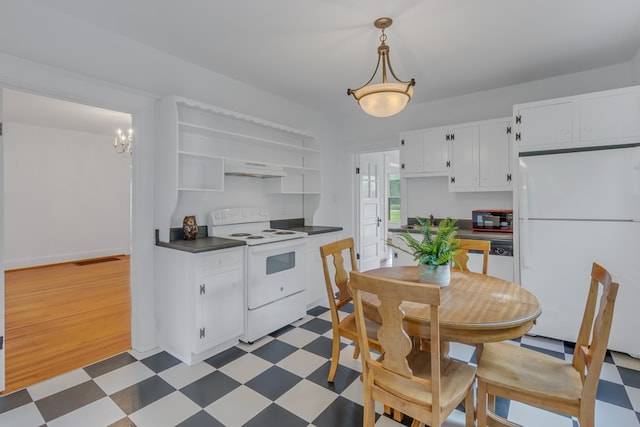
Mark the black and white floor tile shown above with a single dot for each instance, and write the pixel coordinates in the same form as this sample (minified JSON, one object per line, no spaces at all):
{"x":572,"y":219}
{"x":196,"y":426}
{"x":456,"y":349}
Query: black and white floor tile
{"x":280,"y":380}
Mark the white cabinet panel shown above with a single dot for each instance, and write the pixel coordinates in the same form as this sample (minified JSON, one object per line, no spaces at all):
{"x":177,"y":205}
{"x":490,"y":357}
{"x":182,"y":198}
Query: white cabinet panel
{"x":495,"y":156}
{"x":610,"y":117}
{"x":400,"y":257}
{"x":315,"y":284}
{"x":200,"y":301}
{"x":436,"y":151}
{"x":601,"y":118}
{"x":424,"y":152}
{"x":465,"y":158}
{"x":544,"y":126}
{"x":481,"y":157}
{"x":219,"y":308}
{"x":412,"y":152}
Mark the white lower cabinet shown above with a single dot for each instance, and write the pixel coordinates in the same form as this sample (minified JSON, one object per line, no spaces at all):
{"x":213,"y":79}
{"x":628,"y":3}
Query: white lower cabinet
{"x":316,"y":288}
{"x":199,"y":301}
{"x":400,"y":257}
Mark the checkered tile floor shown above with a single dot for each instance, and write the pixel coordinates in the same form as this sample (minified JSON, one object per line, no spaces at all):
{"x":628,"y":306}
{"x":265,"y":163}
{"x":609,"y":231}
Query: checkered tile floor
{"x":280,"y":380}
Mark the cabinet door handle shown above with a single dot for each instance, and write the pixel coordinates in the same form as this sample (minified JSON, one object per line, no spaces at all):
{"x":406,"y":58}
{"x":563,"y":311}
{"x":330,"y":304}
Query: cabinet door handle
{"x":202,"y":289}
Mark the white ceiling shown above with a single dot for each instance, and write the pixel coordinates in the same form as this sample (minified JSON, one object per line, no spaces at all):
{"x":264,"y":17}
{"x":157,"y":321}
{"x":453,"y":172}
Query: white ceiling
{"x":311,"y":51}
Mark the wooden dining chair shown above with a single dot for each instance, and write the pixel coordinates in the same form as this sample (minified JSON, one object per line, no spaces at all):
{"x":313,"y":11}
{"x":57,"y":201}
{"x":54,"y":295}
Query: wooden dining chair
{"x":338,"y":295}
{"x":547,"y":382}
{"x":421,"y":384}
{"x":462,"y":254}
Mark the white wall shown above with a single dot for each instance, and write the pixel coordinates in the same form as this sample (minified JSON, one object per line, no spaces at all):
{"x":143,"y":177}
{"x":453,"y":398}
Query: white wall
{"x":238,"y":191}
{"x":67,"y":196}
{"x":635,"y":68}
{"x":430,"y":196}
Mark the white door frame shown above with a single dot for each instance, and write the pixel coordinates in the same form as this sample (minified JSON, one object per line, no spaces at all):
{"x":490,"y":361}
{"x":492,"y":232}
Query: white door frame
{"x":2,"y":309}
{"x":43,"y":80}
{"x":356,"y":193}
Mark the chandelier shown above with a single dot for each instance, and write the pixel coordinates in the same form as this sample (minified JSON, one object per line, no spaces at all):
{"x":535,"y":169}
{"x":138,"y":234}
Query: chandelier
{"x":383,"y":99}
{"x":123,"y":143}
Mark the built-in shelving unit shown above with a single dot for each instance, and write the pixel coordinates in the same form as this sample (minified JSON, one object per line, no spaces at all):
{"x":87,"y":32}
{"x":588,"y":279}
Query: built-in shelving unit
{"x":195,"y":139}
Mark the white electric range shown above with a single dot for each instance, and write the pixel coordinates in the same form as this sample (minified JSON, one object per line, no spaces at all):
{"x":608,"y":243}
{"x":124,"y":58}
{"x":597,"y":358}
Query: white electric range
{"x":275,"y":268}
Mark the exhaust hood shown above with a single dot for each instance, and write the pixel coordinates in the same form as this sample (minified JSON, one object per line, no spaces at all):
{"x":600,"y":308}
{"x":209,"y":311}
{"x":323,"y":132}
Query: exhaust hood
{"x":254,"y":169}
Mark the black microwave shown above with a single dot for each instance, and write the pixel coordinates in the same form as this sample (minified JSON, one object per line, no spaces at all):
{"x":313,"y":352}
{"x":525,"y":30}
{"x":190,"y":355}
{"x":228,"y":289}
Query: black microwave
{"x":492,"y":220}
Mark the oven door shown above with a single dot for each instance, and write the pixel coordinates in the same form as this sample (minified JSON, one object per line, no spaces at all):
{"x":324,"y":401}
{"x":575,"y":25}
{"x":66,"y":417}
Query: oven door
{"x":274,"y":271}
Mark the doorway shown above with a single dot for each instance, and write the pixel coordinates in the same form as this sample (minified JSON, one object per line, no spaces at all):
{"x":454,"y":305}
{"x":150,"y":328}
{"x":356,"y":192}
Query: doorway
{"x":67,"y":190}
{"x":378,"y":189}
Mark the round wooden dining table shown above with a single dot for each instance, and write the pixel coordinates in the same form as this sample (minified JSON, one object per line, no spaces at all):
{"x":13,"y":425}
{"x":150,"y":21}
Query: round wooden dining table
{"x":475,"y":308}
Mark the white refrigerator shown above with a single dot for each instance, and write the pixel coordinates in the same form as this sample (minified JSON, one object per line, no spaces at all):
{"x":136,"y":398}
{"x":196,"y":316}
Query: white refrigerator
{"x":575,"y":208}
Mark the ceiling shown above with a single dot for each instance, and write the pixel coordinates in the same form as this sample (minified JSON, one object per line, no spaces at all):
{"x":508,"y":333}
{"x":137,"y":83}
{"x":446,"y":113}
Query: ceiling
{"x":311,"y":51}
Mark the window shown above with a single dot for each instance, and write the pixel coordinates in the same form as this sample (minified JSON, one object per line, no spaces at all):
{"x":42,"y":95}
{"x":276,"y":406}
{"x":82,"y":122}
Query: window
{"x":393,"y":201}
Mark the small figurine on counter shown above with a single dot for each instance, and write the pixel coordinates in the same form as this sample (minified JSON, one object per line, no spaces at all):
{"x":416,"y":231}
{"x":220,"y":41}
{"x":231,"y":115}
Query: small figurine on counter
{"x":189,"y":228}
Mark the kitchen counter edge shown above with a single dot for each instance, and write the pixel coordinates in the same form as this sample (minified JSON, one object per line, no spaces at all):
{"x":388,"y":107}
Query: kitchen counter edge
{"x":313,"y":230}
{"x":464,"y":234}
{"x":201,"y":244}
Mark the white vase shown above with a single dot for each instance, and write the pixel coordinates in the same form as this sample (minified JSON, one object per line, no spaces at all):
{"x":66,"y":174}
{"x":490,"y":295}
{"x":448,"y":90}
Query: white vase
{"x":435,"y":274}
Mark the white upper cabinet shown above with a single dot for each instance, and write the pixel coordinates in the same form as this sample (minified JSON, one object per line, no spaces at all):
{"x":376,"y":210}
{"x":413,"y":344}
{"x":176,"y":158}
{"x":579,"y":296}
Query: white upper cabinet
{"x":495,"y":155}
{"x":544,"y":126}
{"x":480,"y":156}
{"x":436,"y":151}
{"x":424,"y":153}
{"x":600,"y":118}
{"x":612,"y":117}
{"x":465,"y":158}
{"x":412,"y":153}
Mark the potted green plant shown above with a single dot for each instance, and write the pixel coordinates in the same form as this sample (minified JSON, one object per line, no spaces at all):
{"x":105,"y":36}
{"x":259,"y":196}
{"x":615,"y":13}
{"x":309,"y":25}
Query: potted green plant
{"x":435,"y":251}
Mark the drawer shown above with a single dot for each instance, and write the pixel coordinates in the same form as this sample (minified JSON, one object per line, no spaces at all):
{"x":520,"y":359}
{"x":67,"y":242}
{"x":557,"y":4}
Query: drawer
{"x":221,"y":259}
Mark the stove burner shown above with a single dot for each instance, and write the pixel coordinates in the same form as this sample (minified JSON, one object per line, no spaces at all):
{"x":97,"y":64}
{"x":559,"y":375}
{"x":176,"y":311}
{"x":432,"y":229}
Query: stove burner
{"x":240,"y":234}
{"x":255,"y":237}
{"x":269,"y":230}
{"x":285,"y":232}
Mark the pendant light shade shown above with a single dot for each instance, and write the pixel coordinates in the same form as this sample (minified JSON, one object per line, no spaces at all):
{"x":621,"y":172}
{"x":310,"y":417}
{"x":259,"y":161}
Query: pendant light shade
{"x":383,"y":99}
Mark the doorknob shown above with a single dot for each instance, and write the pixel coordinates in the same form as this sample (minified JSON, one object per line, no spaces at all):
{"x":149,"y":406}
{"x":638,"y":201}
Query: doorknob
{"x":379,"y":221}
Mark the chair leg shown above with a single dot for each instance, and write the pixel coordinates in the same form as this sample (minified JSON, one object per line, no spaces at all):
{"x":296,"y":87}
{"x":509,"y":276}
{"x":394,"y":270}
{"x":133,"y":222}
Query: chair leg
{"x":356,"y":351}
{"x":481,"y":409}
{"x":587,"y":415}
{"x":469,"y":409}
{"x":335,"y":358}
{"x":369,"y":412}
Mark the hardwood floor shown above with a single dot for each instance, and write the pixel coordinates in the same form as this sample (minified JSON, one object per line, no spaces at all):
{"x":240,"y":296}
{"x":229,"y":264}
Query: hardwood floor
{"x":65,"y":316}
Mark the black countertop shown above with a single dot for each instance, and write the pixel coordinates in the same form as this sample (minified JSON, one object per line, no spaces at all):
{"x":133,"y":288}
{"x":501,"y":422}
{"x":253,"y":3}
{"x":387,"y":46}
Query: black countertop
{"x":314,"y":229}
{"x":297,"y":224}
{"x":201,"y":244}
{"x":464,"y":231}
{"x":204,"y":243}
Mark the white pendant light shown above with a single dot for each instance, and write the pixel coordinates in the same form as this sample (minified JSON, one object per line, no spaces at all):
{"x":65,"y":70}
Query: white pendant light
{"x":383,"y":99}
